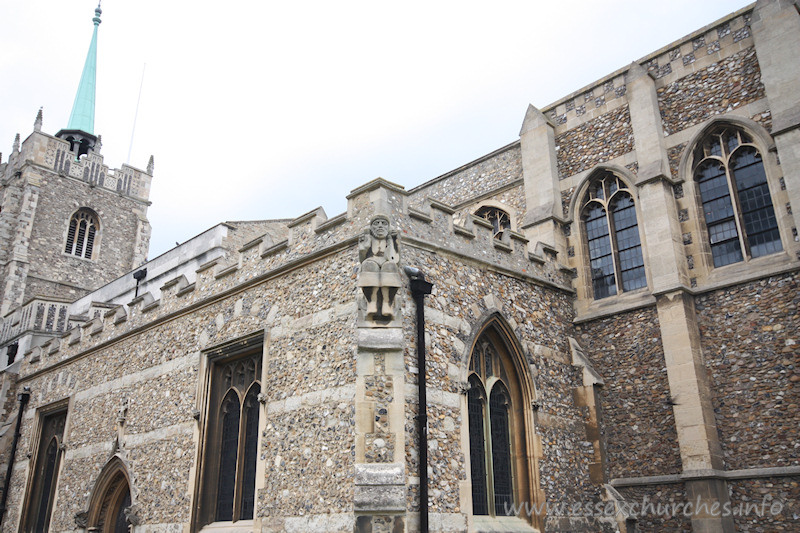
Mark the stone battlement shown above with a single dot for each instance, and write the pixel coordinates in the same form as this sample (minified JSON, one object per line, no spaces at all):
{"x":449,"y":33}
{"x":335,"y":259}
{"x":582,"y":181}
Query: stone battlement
{"x":312,"y":237}
{"x":51,"y":153}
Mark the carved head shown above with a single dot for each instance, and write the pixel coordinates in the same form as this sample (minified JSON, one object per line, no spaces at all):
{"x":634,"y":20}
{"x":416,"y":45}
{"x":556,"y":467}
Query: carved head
{"x":379,"y":227}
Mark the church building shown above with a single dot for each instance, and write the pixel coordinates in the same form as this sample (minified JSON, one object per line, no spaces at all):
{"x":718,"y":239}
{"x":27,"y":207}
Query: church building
{"x":594,"y":328}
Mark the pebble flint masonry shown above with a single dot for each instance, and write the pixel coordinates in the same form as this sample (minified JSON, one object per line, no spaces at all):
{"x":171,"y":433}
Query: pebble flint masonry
{"x":593,"y":328}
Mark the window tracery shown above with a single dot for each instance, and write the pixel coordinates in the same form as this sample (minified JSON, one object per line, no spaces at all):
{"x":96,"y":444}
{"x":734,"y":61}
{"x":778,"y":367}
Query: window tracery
{"x":735,"y":198}
{"x":612,"y":237}
{"x":496,"y":428}
{"x":45,"y":468}
{"x":231,"y":449}
{"x":499,"y":219}
{"x":81,"y":233}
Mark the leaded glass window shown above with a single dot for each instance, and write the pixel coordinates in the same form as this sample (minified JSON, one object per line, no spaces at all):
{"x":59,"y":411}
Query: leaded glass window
{"x":229,"y":465}
{"x":81,"y":233}
{"x":501,"y":450}
{"x":496,"y":478}
{"x":737,"y":206}
{"x":612,"y":237}
{"x":45,"y":468}
{"x":476,"y":400}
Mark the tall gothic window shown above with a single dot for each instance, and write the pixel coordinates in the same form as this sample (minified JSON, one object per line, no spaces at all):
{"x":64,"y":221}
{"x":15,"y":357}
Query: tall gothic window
{"x":45,"y":472}
{"x":499,"y":219}
{"x":494,"y":412}
{"x":229,"y":466}
{"x":81,"y":233}
{"x":612,"y":237}
{"x":737,"y":206}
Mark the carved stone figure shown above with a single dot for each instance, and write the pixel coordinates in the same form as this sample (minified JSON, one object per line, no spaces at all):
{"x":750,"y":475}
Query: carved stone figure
{"x":82,"y":519}
{"x":379,"y":277}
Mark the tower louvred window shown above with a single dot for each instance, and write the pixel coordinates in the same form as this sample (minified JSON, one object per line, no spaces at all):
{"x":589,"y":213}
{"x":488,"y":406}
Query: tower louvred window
{"x":82,"y":233}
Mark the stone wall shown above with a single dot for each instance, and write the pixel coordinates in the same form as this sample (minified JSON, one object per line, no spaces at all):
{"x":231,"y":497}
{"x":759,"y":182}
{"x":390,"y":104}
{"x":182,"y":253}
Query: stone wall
{"x":604,"y":138}
{"x":638,"y":423}
{"x":654,"y":518}
{"x":750,"y":342}
{"x":308,"y":390}
{"x":464,"y":296}
{"x":768,"y":504}
{"x":721,"y":87}
{"x":473,"y":179}
{"x":60,"y":274}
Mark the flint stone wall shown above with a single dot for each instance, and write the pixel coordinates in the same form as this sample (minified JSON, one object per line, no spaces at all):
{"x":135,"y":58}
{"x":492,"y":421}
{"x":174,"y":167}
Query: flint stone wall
{"x":309,"y":390}
{"x":638,"y":424}
{"x":750,"y":335}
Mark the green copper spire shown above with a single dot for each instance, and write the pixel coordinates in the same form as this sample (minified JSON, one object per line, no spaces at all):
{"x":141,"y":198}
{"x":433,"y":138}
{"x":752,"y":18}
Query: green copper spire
{"x":82,"y":117}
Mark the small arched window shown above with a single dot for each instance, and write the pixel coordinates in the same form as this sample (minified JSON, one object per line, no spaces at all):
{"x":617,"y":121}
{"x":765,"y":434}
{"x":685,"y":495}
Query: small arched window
{"x":499,"y":219}
{"x":81,"y":233}
{"x":737,"y":206}
{"x":612,"y":237}
{"x":496,"y":429}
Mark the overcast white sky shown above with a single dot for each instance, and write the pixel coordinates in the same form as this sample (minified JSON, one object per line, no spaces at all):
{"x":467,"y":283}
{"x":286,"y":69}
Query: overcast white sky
{"x":268,"y":109}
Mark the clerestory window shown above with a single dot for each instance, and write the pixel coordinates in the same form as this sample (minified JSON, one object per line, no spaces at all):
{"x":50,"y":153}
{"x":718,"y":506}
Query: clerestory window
{"x":612,"y":237}
{"x":737,"y":206}
{"x":231,"y":449}
{"x":82,"y":233}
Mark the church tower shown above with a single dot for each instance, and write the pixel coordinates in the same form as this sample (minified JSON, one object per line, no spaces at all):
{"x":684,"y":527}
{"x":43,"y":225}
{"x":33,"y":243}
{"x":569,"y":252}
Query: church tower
{"x":68,"y":223}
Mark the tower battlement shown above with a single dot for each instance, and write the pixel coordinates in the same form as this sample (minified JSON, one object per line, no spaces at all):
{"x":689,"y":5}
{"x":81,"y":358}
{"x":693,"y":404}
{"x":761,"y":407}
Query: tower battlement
{"x":51,"y":153}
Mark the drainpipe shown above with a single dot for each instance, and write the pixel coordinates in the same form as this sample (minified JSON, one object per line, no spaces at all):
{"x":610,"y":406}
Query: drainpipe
{"x":23,"y":398}
{"x":419,"y":288}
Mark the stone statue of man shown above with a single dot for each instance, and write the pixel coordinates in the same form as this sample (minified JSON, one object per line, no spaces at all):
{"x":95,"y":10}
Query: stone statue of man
{"x":380,"y":275}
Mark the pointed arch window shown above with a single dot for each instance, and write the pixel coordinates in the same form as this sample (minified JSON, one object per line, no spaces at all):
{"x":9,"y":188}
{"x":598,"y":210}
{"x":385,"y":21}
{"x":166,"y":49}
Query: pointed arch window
{"x":110,"y":506}
{"x":612,"y":237}
{"x":82,"y":233}
{"x":45,"y":473}
{"x":499,"y":219}
{"x":737,"y":206}
{"x":498,"y":471}
{"x":231,"y":448}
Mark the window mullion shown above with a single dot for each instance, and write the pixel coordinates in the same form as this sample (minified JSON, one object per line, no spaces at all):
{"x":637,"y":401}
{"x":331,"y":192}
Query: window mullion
{"x":612,"y":239}
{"x":237,"y":485}
{"x":737,"y":210}
{"x":487,"y":438}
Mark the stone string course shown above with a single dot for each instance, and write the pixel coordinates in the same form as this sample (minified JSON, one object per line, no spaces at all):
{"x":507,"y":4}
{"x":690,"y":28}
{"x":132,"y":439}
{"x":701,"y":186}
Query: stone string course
{"x":751,"y":342}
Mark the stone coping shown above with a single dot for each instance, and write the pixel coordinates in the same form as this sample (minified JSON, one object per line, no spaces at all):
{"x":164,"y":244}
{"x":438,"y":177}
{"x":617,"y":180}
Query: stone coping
{"x":694,"y":475}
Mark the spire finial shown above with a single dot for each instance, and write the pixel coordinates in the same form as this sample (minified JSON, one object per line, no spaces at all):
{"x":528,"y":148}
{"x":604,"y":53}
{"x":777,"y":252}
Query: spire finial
{"x":37,"y":124}
{"x":15,"y":146}
{"x":97,"y":13}
{"x":151,"y":166}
